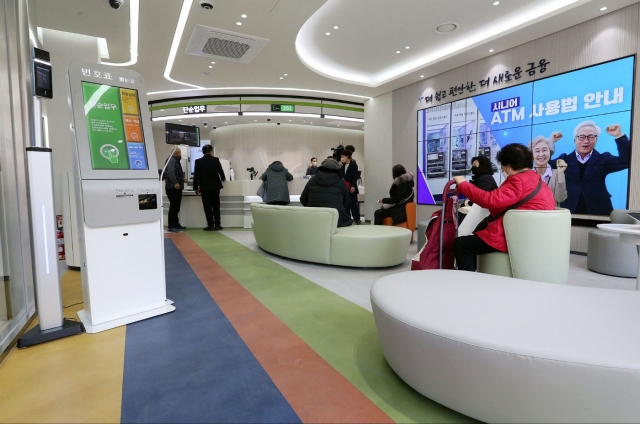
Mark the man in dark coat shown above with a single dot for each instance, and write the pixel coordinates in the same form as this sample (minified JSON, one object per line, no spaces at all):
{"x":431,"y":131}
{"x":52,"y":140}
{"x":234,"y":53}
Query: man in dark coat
{"x":350,"y":174}
{"x":174,"y":184}
{"x":328,"y":190}
{"x":587,"y":169}
{"x":207,"y":181}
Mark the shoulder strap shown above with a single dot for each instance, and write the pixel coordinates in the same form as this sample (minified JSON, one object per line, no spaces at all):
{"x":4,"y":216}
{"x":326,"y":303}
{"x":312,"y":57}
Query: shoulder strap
{"x":518,"y":204}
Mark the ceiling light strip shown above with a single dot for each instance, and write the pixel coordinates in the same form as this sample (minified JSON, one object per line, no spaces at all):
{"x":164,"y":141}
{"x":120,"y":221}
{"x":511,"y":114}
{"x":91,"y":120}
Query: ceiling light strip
{"x":343,"y":118}
{"x":257,"y":88}
{"x":270,"y":114}
{"x":134,"y":18}
{"x":177,"y":36}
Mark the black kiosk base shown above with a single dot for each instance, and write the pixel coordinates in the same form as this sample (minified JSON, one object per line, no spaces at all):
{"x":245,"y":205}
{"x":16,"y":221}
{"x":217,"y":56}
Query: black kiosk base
{"x":36,"y":336}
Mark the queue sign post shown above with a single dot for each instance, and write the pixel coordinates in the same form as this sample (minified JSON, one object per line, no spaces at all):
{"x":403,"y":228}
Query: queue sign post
{"x":51,"y":323}
{"x":119,"y":198}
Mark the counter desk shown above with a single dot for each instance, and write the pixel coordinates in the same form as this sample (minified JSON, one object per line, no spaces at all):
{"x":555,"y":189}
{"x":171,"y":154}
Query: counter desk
{"x":235,"y":203}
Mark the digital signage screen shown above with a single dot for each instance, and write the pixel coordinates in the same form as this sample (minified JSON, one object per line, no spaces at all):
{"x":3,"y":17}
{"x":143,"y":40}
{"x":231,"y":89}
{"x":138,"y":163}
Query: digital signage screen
{"x":583,"y":116}
{"x":182,"y":134}
{"x":116,"y":139}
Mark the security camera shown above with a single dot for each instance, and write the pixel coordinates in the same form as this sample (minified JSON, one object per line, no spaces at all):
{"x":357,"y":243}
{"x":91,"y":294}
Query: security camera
{"x":278,"y":123}
{"x":116,"y":4}
{"x":207,"y":5}
{"x":268,"y":119}
{"x":204,"y":123}
{"x":215,"y":128}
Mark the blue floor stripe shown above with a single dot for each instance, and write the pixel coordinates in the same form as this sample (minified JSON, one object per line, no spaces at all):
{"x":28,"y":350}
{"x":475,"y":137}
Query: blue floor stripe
{"x":192,"y":366}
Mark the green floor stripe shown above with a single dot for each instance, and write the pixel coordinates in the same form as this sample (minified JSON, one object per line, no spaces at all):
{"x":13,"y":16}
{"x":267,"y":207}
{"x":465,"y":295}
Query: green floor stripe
{"x":343,"y":333}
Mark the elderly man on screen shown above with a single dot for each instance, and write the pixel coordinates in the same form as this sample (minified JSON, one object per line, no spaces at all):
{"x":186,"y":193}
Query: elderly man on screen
{"x":587,"y":169}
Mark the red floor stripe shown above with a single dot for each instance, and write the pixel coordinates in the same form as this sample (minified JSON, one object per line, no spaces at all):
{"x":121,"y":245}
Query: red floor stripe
{"x":315,"y":390}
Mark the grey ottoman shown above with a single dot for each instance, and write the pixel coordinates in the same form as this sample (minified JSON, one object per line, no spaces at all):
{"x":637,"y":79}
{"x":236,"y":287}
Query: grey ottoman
{"x":608,"y":255}
{"x":422,"y":227}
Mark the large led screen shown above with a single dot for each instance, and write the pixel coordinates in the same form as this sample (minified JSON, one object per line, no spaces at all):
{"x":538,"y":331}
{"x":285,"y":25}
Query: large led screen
{"x":584,"y":115}
{"x":116,"y":139}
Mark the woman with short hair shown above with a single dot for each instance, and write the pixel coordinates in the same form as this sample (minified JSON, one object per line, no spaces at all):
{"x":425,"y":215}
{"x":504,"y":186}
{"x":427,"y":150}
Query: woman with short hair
{"x":543,"y":148}
{"x":520,"y":182}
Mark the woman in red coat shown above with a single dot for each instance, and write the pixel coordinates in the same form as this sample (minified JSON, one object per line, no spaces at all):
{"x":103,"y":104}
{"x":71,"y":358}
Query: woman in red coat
{"x":516,"y":161}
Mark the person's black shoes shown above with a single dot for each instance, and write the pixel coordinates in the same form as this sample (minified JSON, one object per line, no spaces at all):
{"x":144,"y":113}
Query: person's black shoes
{"x":180,"y":227}
{"x":208,"y":228}
{"x":218,"y":227}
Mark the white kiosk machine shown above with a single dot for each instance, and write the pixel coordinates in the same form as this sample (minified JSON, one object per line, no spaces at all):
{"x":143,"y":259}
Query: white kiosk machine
{"x":119,"y":198}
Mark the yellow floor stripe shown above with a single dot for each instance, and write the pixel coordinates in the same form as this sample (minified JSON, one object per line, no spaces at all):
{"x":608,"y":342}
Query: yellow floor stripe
{"x":76,"y":379}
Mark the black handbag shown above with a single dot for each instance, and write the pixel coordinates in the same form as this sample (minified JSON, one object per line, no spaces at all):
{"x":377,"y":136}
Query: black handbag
{"x":485,"y":222}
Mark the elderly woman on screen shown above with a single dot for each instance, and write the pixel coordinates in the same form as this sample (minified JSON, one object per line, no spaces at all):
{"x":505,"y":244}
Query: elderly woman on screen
{"x":542,"y":149}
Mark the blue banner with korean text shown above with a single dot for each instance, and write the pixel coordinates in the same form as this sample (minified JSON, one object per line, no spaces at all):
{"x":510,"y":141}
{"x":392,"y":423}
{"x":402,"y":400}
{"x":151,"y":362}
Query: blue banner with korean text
{"x":577,"y":124}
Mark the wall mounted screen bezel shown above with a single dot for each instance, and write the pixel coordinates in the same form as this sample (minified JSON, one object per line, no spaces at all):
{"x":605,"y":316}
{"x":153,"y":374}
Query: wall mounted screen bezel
{"x":80,"y":72}
{"x":169,"y":127}
{"x":40,"y":89}
{"x":520,"y":132}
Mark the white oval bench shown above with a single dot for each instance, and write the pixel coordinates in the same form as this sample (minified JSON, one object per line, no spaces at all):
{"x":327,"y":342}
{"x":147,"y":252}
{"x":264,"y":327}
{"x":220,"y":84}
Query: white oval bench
{"x":500,"y":349}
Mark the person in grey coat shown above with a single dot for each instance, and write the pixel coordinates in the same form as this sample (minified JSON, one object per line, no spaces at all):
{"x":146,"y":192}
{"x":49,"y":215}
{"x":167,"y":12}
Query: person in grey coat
{"x":276,"y":177}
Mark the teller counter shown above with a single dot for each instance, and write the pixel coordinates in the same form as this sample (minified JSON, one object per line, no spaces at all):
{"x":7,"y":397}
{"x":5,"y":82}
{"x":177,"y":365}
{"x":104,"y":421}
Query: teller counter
{"x":235,"y":203}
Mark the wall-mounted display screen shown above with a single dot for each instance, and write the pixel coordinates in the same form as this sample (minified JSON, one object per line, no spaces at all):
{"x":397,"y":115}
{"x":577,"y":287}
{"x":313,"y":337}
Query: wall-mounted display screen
{"x":116,"y":139}
{"x":582,"y":117}
{"x":182,"y":134}
{"x":42,"y":80}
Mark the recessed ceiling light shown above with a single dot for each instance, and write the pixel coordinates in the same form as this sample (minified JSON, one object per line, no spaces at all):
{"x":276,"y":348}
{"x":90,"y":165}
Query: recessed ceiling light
{"x":226,"y":122}
{"x":335,"y":27}
{"x":398,"y":51}
{"x":255,"y":120}
{"x":243,"y":16}
{"x":407,"y":47}
{"x":338,"y":124}
{"x":328,"y":33}
{"x":446,"y":27}
{"x":213,"y":63}
{"x":286,"y":75}
{"x":495,"y":3}
{"x":312,"y":122}
{"x":281,"y":77}
{"x":289,"y":120}
{"x":421,"y":76}
{"x":205,"y":73}
{"x":491,"y":51}
{"x":602,"y":9}
{"x":161,"y":110}
{"x":210,"y":66}
{"x":179,"y":120}
{"x":238,"y":23}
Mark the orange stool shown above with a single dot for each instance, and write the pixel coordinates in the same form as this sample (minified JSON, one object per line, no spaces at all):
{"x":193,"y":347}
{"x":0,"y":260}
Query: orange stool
{"x":411,"y":219}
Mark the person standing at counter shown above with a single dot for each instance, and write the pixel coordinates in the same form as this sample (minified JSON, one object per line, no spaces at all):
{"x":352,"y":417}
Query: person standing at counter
{"x":350,"y":174}
{"x":313,"y":168}
{"x":174,"y":184}
{"x":207,"y":181}
{"x":328,"y":190}
{"x":276,"y":177}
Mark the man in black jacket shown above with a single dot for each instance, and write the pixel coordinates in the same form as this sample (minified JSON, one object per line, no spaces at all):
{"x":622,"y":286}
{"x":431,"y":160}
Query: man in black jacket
{"x":174,"y":184}
{"x":328,"y":190}
{"x":207,"y":181}
{"x":587,"y":169}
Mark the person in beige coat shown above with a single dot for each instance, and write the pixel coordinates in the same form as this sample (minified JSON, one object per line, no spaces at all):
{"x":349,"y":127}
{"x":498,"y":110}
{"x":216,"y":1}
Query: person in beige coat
{"x":543,"y":148}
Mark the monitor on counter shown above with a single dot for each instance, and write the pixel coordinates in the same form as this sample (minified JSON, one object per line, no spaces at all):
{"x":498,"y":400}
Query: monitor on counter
{"x":182,"y":134}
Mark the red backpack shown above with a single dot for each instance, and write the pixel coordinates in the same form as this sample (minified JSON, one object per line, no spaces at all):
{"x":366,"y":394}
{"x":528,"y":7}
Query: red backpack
{"x":437,"y":253}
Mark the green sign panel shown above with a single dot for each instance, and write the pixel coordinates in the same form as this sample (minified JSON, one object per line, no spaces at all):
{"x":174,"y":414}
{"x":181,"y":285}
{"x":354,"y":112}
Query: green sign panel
{"x":283,"y":108}
{"x":105,"y":128}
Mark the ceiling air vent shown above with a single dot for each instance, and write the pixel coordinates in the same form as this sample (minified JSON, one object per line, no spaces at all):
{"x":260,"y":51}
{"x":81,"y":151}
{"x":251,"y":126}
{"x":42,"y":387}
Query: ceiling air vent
{"x":224,"y":45}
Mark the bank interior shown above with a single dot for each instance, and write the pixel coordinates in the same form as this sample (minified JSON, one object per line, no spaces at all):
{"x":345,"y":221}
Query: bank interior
{"x":280,"y":315}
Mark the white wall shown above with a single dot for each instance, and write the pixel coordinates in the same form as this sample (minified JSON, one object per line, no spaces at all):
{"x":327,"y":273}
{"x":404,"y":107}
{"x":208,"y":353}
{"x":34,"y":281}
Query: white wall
{"x":378,"y":140}
{"x":64,"y":48}
{"x":257,"y":145}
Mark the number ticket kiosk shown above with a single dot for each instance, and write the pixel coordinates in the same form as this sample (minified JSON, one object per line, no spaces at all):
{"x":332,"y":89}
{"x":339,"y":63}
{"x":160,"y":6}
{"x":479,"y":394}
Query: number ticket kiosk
{"x":119,"y":198}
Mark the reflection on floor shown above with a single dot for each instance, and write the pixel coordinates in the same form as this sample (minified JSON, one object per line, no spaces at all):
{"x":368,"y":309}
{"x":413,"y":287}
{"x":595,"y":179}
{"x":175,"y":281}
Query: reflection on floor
{"x":254,"y":338}
{"x":360,"y":280}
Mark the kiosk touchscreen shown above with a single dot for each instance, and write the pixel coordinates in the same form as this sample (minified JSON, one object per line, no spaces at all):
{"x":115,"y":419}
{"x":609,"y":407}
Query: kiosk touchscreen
{"x":119,"y":198}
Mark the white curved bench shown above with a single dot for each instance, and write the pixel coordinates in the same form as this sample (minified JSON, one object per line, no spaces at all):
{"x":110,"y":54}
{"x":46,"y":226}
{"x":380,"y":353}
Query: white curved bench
{"x":507,"y":350}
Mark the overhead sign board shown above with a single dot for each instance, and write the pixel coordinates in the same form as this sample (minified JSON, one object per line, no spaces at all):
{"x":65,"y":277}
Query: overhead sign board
{"x":190,"y":110}
{"x":283,"y":108}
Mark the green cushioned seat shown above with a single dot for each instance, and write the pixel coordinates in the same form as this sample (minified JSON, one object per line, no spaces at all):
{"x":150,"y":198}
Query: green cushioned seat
{"x":311,"y":234}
